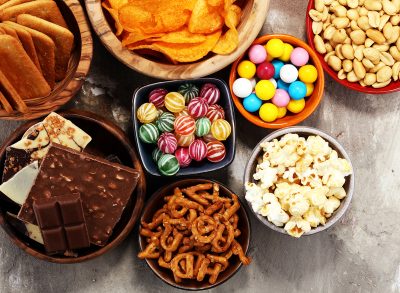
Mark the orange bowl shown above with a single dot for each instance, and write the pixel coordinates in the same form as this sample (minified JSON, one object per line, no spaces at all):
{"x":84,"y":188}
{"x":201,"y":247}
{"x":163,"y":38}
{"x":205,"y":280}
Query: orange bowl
{"x":312,"y":102}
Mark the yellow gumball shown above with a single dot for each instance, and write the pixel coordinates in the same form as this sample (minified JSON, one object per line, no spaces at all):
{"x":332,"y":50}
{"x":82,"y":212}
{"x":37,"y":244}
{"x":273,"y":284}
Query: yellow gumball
{"x":308,"y":73}
{"x":282,"y":112}
{"x":310,"y":89}
{"x":174,"y":102}
{"x":246,"y":69}
{"x":268,"y":112}
{"x":287,"y":50}
{"x":296,"y":106}
{"x":265,"y":90}
{"x":275,"y":48}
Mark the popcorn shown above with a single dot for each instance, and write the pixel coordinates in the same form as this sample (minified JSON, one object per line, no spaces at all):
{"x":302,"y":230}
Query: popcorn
{"x":276,"y":215}
{"x":298,"y":205}
{"x":297,"y":227}
{"x":331,"y":205}
{"x":266,"y":175}
{"x":317,"y":196}
{"x":337,"y":192}
{"x":314,"y":217}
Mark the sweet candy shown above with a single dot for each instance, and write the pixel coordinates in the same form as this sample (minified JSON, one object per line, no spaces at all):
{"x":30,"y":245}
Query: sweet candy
{"x":184,"y":140}
{"x":253,"y":82}
{"x":265,"y":90}
{"x":165,"y":122}
{"x":242,"y":87}
{"x":203,"y":126}
{"x":281,"y":98}
{"x":275,"y":48}
{"x":281,"y":112}
{"x":147,"y":113}
{"x":215,"y":112}
{"x":209,"y":137}
{"x":296,"y":106}
{"x":157,"y":96}
{"x":246,"y":69}
{"x":215,"y":151}
{"x":268,"y":112}
{"x":283,"y":85}
{"x":310,"y":89}
{"x":265,"y":70}
{"x":211,"y":93}
{"x":257,"y":54}
{"x":287,"y":51}
{"x":148,"y":133}
{"x":185,"y":125}
{"x":156,"y":154}
{"x":297,"y":90}
{"x":308,"y":73}
{"x":299,"y":56}
{"x":198,"y":107}
{"x":277,"y":65}
{"x":182,"y":113}
{"x":189,"y":91}
{"x":289,"y":73}
{"x":273,"y":82}
{"x":167,"y":143}
{"x":174,"y":102}
{"x":183,"y":157}
{"x":221,"y":129}
{"x":168,"y":165}
{"x":198,"y":150}
{"x":252,"y":103}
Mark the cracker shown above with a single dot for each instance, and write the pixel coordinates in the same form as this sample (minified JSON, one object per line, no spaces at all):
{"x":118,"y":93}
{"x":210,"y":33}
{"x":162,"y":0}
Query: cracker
{"x":9,"y":31}
{"x":13,"y":97}
{"x":11,"y":3}
{"x":5,"y":104}
{"x":3,"y":1}
{"x":63,"y":40}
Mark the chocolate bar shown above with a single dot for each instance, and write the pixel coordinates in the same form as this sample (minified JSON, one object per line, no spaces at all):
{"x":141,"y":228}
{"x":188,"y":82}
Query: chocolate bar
{"x":62,"y":223}
{"x":28,"y":229}
{"x":105,"y":188}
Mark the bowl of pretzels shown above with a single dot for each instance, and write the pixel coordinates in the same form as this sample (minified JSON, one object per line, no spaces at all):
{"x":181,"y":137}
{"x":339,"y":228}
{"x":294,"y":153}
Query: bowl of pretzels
{"x":194,"y":234}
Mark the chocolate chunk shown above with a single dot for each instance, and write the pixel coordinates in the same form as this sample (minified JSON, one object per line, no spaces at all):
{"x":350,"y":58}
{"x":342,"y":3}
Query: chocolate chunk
{"x":62,"y":223}
{"x":105,"y":188}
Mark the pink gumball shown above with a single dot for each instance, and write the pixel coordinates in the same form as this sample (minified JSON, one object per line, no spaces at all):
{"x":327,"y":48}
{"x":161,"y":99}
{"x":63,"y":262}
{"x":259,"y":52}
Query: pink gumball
{"x":183,"y":157}
{"x":257,"y":54}
{"x":299,"y":57}
{"x":281,"y":98}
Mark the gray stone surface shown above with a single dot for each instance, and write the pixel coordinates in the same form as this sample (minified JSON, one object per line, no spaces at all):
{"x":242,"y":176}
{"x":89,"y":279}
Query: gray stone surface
{"x":360,"y":254}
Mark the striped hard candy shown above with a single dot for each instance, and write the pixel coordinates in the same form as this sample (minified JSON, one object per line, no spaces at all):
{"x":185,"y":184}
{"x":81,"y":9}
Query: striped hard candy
{"x":211,"y":93}
{"x":185,"y":125}
{"x":147,"y":113}
{"x":198,"y":107}
{"x":209,"y":137}
{"x":165,"y":122}
{"x":215,"y":112}
{"x":156,"y":154}
{"x":168,"y":165}
{"x":167,"y":143}
{"x":198,"y":150}
{"x":157,"y":96}
{"x":184,"y":159}
{"x":203,"y":126}
{"x":182,"y":113}
{"x":189,"y":91}
{"x":215,"y":151}
{"x":174,"y":102}
{"x":221,"y":129}
{"x":149,"y":133}
{"x":184,"y":140}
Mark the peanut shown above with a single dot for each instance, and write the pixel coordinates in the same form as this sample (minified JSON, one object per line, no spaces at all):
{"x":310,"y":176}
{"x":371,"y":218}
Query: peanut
{"x":372,"y":54}
{"x":335,"y":63}
{"x":347,"y":65}
{"x":396,"y":71}
{"x":373,"y":5}
{"x":389,"y":7}
{"x":347,"y":51}
{"x":358,"y":37}
{"x":351,"y":77}
{"x":374,"y":18}
{"x":363,"y":23}
{"x":339,"y":36}
{"x":319,"y":44}
{"x":376,"y":36}
{"x":370,"y":79}
{"x":341,"y":22}
{"x":367,"y":64}
{"x":378,"y":85}
{"x":395,"y":53}
{"x":359,"y":69}
{"x":384,"y":74}
{"x":387,"y":58}
{"x":352,"y":3}
{"x":316,"y":27}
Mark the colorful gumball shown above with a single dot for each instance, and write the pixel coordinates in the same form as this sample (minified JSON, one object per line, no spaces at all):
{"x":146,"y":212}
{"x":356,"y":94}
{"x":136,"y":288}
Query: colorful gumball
{"x":168,"y":165}
{"x":165,"y":122}
{"x":287,"y":51}
{"x":275,"y":48}
{"x":156,"y":154}
{"x":167,"y":143}
{"x":221,"y":129}
{"x":265,"y":70}
{"x":147,"y":113}
{"x":252,"y":103}
{"x":268,"y":112}
{"x":310,"y":89}
{"x":215,"y":112}
{"x":246,"y":69}
{"x":174,"y":102}
{"x":157,"y":96}
{"x":216,"y":151}
{"x":289,"y":73}
{"x":189,"y":91}
{"x":253,"y":83}
{"x":299,"y":56}
{"x":184,"y":140}
{"x":184,"y":125}
{"x":242,"y":87}
{"x":283,"y":85}
{"x":281,"y":98}
{"x":203,"y":126}
{"x":296,"y":106}
{"x":183,"y":157}
{"x":277,"y":65}
{"x":281,"y":112}
{"x":297,"y":90}
{"x":198,"y":107}
{"x":265,"y":90}
{"x":198,"y":150}
{"x":257,"y":54}
{"x":149,"y":133}
{"x":211,"y":93}
{"x":273,"y":82}
{"x":209,"y":137}
{"x":308,"y":73}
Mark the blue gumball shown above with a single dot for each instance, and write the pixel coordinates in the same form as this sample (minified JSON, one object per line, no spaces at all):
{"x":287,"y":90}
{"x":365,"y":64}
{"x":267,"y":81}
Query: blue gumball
{"x":297,"y":90}
{"x":277,"y":65}
{"x":283,"y":85}
{"x":252,"y":103}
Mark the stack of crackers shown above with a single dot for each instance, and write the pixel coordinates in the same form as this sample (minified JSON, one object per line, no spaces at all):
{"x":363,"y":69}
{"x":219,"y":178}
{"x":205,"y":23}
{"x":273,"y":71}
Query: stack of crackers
{"x":35,"y":48}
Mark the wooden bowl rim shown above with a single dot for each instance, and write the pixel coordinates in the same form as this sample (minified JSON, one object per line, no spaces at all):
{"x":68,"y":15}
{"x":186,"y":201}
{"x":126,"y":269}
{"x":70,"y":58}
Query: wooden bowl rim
{"x":139,"y":193}
{"x":312,"y":102}
{"x":204,"y":285}
{"x":170,"y":71}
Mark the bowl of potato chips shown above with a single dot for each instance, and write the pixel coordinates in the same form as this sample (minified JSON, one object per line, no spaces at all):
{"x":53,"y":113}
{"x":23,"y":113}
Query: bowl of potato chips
{"x":177,"y":39}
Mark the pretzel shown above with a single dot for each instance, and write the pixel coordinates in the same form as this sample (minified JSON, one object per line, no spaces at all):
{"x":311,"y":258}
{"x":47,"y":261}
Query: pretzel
{"x":177,"y":269}
{"x":238,"y":250}
{"x":176,"y":239}
{"x":202,"y":226}
{"x":224,"y":246}
{"x":192,"y":192}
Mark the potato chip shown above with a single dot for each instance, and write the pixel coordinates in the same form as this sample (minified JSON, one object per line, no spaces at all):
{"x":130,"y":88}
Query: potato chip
{"x":216,"y":3}
{"x":232,"y":16}
{"x":131,"y":38}
{"x":117,"y":4}
{"x":114,"y":14}
{"x":181,"y":37}
{"x":205,"y":19}
{"x":227,"y":43}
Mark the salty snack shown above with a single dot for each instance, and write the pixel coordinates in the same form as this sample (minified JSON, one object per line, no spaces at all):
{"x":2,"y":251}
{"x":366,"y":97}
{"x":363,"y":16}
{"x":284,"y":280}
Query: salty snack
{"x":181,"y":30}
{"x":11,"y":94}
{"x":195,"y":233}
{"x":298,"y":183}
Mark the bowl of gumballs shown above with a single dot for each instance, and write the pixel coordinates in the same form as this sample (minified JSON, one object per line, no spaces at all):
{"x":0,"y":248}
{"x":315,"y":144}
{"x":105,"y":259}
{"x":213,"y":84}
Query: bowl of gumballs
{"x":184,"y":127}
{"x":299,"y":181}
{"x":278,"y":82}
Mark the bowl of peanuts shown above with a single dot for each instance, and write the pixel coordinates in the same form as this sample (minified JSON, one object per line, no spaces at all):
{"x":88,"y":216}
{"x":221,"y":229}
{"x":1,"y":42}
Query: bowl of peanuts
{"x":357,"y":42}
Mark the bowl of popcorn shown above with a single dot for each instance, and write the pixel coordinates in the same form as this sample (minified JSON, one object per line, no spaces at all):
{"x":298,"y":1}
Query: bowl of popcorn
{"x":299,"y":181}
{"x":357,"y":42}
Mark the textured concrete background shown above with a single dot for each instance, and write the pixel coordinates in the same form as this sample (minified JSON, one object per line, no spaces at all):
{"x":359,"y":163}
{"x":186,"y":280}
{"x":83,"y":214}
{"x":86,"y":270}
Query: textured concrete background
{"x":360,"y":254}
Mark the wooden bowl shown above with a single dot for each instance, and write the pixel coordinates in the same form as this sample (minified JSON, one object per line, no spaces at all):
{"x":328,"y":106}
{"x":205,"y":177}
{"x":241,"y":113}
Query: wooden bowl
{"x":392,"y":87}
{"x":303,"y":131}
{"x":254,"y":14}
{"x":78,"y":67}
{"x":290,"y":119}
{"x":156,"y":202}
{"x":107,"y":139}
